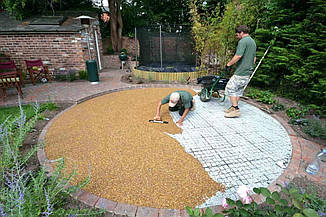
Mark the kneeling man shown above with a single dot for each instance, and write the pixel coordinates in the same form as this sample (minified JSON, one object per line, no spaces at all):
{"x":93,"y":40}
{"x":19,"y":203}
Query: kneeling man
{"x":180,"y":100}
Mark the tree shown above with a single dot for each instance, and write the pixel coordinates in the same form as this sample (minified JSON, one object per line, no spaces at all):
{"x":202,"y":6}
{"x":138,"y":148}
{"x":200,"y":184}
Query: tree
{"x":295,"y":65}
{"x":25,"y":8}
{"x":213,"y":30}
{"x":140,"y":13}
{"x":116,"y":24}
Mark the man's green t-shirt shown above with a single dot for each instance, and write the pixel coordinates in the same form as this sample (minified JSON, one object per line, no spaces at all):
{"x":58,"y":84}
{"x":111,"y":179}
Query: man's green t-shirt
{"x":247,"y":50}
{"x":185,"y":97}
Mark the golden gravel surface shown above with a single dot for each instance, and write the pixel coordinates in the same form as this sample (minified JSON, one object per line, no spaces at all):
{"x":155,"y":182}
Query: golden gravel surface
{"x":130,"y":160}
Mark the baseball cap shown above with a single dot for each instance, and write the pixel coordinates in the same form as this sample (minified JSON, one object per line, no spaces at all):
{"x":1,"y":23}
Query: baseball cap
{"x":174,"y":98}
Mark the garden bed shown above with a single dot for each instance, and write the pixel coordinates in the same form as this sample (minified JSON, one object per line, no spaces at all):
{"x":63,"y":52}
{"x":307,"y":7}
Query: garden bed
{"x":31,"y":140}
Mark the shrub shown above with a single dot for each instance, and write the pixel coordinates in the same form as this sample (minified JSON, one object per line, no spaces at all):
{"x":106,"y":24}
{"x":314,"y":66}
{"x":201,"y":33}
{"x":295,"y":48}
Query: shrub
{"x":263,"y":96}
{"x":296,"y":113}
{"x":314,"y":128}
{"x":291,"y":201}
{"x":72,"y":75}
{"x":61,"y":77}
{"x":278,"y":106}
{"x":31,"y":192}
{"x":82,"y":74}
{"x":48,"y":106}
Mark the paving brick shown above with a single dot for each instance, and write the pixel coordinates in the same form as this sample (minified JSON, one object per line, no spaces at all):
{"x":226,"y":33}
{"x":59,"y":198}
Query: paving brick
{"x":183,"y":213}
{"x":109,"y":205}
{"x":216,"y":209}
{"x":88,"y":198}
{"x":77,"y":193}
{"x":147,"y":212}
{"x":41,"y":156}
{"x":169,"y":213}
{"x":125,"y":210}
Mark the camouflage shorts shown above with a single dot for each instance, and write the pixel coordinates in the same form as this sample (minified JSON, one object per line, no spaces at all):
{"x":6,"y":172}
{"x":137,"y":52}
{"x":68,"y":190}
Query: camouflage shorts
{"x":236,"y":84}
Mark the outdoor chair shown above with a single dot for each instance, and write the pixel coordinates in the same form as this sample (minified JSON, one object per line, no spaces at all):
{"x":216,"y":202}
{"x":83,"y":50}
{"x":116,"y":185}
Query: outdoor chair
{"x":37,"y":70}
{"x":10,"y":76}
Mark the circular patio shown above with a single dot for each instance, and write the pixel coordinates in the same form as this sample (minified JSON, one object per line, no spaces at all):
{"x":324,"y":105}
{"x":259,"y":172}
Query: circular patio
{"x":110,"y":135}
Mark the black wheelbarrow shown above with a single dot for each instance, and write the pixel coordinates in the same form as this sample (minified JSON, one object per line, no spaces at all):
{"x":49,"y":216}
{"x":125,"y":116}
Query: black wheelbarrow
{"x":211,"y":87}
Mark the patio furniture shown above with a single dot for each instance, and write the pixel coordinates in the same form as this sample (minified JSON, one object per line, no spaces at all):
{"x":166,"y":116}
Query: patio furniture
{"x":10,"y":76}
{"x":37,"y":70}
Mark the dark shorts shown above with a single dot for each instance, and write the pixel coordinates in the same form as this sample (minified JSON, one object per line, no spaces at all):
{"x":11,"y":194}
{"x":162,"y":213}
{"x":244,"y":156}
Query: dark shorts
{"x":180,"y":109}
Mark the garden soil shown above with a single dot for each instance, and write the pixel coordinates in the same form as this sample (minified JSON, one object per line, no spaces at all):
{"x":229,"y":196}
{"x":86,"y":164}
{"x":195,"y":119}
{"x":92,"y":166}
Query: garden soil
{"x":129,"y":159}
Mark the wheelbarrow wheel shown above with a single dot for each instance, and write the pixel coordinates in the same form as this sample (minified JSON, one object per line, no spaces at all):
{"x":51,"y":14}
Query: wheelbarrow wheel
{"x":219,"y":95}
{"x":222,"y":96}
{"x":204,"y":95}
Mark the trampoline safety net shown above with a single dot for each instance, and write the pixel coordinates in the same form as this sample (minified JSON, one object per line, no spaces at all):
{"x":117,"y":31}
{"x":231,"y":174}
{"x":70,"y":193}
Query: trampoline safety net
{"x":169,"y":45}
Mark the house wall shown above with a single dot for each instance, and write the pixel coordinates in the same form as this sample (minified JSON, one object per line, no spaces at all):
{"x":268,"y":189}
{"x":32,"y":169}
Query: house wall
{"x":60,"y":51}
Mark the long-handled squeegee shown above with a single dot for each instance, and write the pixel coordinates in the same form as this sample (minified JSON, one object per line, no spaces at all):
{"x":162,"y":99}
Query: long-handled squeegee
{"x":257,"y":66}
{"x":160,"y":122}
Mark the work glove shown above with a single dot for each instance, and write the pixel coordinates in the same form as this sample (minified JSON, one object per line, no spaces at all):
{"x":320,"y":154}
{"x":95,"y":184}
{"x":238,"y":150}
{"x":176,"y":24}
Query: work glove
{"x":227,"y":69}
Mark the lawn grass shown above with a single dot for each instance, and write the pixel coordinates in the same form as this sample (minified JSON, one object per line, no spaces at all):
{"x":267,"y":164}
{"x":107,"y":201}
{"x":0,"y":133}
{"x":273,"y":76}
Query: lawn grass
{"x":13,"y":112}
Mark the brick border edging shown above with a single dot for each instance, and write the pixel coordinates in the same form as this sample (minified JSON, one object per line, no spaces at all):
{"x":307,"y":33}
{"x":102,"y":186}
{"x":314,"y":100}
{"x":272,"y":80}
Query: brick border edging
{"x":122,"y":209}
{"x":136,"y":86}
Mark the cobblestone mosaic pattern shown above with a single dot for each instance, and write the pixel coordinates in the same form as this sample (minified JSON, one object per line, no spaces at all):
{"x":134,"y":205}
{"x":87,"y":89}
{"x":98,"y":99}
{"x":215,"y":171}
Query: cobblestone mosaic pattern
{"x":235,"y":151}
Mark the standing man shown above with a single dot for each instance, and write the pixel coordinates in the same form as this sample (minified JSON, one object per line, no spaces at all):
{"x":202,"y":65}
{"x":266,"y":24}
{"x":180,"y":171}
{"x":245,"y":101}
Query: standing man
{"x":244,"y":58}
{"x":105,"y":16}
{"x":180,"y":100}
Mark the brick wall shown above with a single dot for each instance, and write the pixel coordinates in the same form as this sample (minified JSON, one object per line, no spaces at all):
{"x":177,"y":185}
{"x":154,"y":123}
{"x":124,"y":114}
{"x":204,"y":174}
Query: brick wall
{"x":127,"y":43}
{"x":60,"y":51}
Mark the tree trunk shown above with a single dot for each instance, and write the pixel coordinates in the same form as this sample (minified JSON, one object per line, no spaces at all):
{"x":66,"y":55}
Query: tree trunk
{"x":116,"y":25}
{"x":120,"y":26}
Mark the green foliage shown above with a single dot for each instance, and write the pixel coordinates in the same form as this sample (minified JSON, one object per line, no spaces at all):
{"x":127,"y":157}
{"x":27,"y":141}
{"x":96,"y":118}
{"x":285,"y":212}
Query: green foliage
{"x":110,"y":50}
{"x":263,"y":96}
{"x":15,"y":7}
{"x":48,"y":106}
{"x":25,"y":192}
{"x":314,"y":128}
{"x":26,"y":8}
{"x":277,"y":106}
{"x":67,"y":76}
{"x":207,"y":213}
{"x":82,"y":74}
{"x":124,"y":50}
{"x":11,"y":113}
{"x":151,"y":12}
{"x":291,"y":201}
{"x":72,"y":76}
{"x":295,"y":65}
{"x":61,"y":77}
{"x":297,"y":113}
{"x":214,"y":30}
